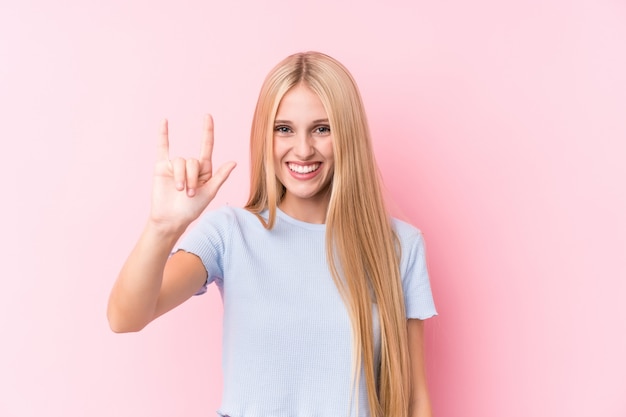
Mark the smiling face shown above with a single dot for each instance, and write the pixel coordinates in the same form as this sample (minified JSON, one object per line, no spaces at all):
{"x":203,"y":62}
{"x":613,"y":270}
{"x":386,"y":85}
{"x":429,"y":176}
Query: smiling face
{"x":303,"y":154}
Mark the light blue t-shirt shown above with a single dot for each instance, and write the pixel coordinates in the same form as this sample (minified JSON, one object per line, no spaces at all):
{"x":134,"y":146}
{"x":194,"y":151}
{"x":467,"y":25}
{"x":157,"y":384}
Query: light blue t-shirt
{"x":287,"y":339}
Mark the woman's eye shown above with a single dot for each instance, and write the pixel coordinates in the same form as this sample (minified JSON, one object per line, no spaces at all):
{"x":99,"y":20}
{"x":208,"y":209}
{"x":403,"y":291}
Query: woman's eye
{"x":322,"y":130}
{"x":282,"y":129}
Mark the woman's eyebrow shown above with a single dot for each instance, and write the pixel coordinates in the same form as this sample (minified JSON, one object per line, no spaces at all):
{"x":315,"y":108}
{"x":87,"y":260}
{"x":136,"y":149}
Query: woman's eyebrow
{"x":289,"y":121}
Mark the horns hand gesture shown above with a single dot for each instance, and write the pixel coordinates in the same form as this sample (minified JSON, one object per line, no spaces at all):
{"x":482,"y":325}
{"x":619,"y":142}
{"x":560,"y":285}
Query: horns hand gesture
{"x":183,"y":188}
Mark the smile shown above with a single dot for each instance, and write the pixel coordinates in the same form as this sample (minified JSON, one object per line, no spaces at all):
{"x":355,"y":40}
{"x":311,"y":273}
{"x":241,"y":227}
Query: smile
{"x":303,"y":169}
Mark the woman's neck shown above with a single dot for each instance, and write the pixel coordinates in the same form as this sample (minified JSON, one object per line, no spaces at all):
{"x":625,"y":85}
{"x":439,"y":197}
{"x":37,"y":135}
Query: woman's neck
{"x":310,"y":210}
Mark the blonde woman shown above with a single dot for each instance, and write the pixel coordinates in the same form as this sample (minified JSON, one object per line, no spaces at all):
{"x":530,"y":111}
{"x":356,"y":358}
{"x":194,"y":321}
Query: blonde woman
{"x":324,"y":294}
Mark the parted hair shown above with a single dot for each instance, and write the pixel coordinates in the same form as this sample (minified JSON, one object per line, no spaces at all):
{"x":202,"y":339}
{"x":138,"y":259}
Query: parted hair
{"x":361,"y":245}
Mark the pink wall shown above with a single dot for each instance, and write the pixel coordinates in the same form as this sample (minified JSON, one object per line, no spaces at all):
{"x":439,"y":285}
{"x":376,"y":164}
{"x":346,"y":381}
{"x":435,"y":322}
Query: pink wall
{"x":501,"y":133}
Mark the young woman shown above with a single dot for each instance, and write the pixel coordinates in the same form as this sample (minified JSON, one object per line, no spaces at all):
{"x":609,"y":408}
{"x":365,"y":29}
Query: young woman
{"x":324,"y":294}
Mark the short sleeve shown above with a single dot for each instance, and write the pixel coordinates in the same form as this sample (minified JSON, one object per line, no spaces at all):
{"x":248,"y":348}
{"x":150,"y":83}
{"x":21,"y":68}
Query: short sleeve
{"x":207,"y":239}
{"x":418,"y":296}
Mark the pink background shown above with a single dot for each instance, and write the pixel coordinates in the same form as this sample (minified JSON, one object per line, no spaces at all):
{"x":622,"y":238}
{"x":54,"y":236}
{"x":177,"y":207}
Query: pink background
{"x":500,"y":130}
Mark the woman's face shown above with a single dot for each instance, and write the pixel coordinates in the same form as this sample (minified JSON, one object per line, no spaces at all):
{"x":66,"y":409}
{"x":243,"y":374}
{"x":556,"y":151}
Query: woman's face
{"x":303,"y":150}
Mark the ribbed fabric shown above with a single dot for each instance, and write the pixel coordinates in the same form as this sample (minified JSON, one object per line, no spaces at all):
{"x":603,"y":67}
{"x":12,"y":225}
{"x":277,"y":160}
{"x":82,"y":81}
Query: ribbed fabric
{"x":287,"y":341}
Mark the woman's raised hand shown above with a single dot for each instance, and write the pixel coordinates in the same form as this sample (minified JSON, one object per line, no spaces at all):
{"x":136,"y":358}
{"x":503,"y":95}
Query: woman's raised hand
{"x":183,"y":188}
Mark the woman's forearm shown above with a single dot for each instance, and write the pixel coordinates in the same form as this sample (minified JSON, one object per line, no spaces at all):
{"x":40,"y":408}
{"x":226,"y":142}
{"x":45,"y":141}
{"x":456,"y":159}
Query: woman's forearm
{"x":134,"y":297}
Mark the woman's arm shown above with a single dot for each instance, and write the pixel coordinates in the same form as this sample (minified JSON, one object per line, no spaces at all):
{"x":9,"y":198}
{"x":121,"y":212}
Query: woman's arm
{"x":151,"y":282}
{"x":420,"y":400}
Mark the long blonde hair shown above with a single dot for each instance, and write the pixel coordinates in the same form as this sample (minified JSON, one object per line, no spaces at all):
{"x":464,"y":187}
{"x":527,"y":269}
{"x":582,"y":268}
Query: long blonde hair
{"x":360,"y":244}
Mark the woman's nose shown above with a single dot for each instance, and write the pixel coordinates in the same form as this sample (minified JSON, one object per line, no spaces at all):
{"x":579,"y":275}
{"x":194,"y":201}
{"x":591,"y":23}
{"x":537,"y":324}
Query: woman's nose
{"x":303,"y":147}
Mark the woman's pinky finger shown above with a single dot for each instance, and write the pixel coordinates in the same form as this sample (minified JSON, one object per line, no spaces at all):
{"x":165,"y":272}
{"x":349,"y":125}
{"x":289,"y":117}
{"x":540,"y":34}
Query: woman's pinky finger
{"x":163,"y":146}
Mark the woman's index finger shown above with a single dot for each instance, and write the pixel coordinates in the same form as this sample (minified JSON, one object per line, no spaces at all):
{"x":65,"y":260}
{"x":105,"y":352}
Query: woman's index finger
{"x":163,"y":147}
{"x":207,"y":141}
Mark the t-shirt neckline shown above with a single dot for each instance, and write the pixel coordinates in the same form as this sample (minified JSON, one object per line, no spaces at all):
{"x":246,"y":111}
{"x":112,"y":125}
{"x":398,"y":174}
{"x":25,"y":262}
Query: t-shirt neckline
{"x":311,"y":226}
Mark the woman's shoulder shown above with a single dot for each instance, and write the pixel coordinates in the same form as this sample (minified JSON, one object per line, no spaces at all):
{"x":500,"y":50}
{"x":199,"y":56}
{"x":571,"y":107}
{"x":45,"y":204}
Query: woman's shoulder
{"x":405,"y":231}
{"x":229,"y":216}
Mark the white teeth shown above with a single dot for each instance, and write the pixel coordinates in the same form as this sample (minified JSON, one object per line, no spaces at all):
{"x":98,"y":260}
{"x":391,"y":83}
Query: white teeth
{"x":303,"y":169}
